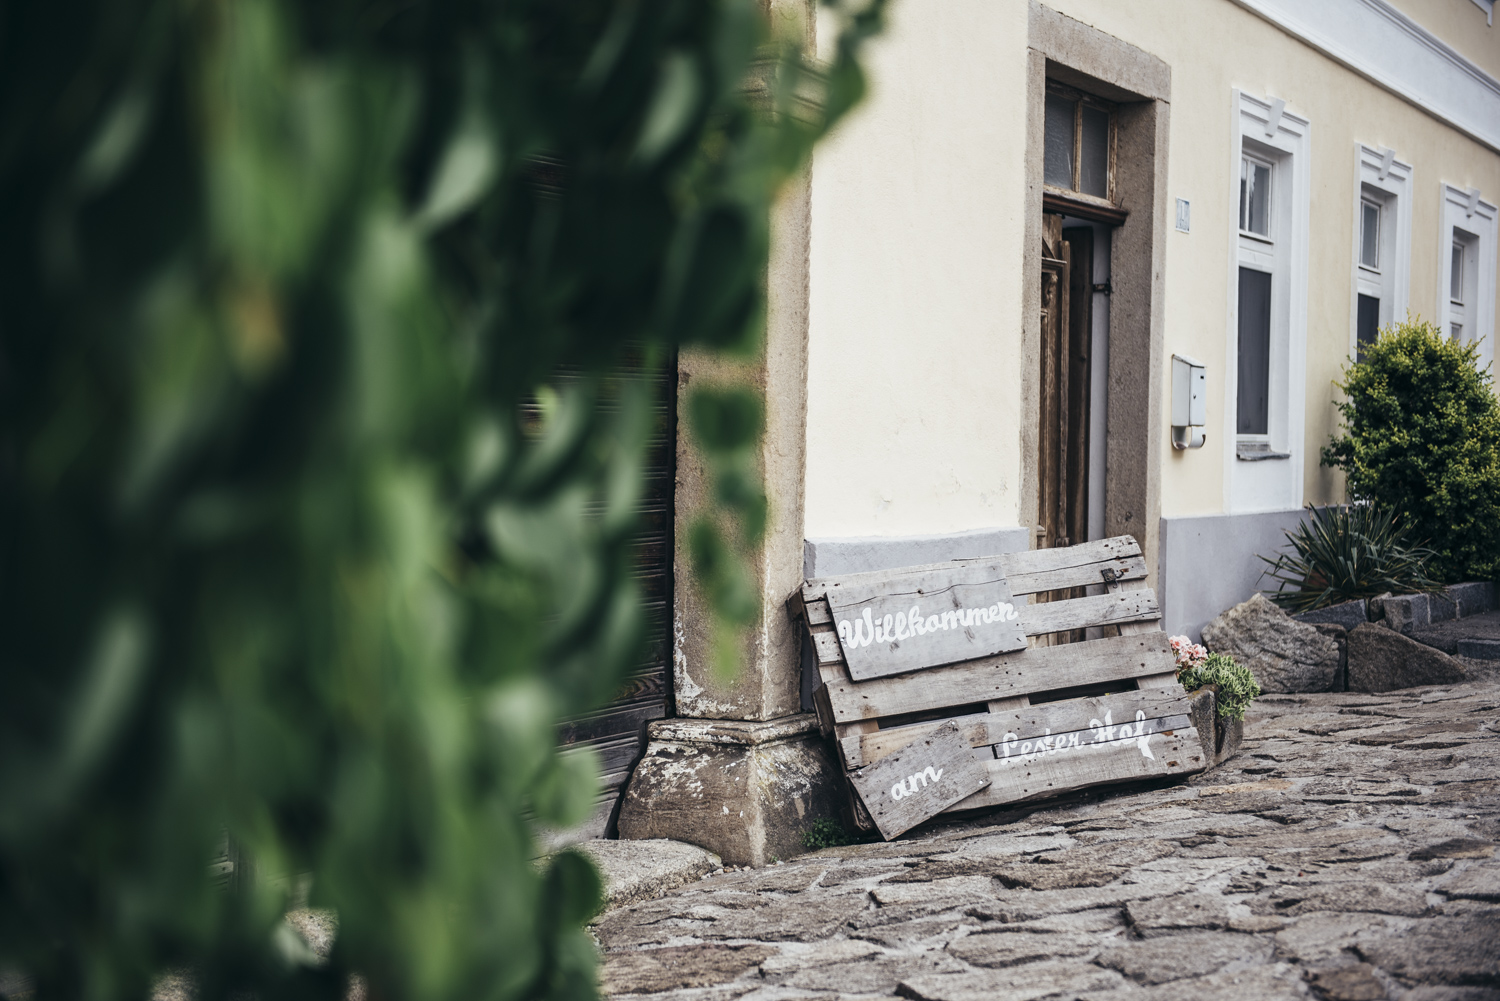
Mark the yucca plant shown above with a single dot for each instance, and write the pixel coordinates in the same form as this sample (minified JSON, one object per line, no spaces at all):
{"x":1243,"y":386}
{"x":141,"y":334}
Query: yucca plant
{"x":1348,"y":552}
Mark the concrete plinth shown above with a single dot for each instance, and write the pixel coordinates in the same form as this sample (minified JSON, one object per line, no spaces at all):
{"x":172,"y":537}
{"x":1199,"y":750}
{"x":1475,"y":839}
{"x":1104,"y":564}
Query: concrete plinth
{"x":746,"y":791}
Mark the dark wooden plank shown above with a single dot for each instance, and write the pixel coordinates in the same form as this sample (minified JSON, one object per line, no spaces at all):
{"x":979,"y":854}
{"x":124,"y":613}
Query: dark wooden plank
{"x":1052,"y":773}
{"x":922,"y":620}
{"x":920,"y":781}
{"x":1001,"y":676}
{"x":1024,"y":723}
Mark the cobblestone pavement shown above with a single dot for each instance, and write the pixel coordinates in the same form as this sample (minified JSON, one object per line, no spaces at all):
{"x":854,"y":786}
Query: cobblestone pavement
{"x":1347,"y":852}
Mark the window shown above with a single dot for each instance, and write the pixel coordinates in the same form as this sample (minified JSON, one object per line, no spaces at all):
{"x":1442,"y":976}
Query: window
{"x":1381,"y":247}
{"x":1265,"y":379}
{"x":1461,"y":282}
{"x":1255,"y":196}
{"x":1456,"y":276}
{"x":1366,"y":324}
{"x":1253,"y":409}
{"x":1079,"y":144}
{"x":1369,"y":234}
{"x":1466,"y":296}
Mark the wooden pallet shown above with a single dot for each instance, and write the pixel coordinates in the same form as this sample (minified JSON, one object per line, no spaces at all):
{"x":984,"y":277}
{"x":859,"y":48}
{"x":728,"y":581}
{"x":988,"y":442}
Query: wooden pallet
{"x":1045,"y":720}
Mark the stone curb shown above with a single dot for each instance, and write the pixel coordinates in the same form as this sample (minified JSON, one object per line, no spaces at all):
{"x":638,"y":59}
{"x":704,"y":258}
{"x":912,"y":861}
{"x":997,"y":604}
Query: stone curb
{"x":642,"y":870}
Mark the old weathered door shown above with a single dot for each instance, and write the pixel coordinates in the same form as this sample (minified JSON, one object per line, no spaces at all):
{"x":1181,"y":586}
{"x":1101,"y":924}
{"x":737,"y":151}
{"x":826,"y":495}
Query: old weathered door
{"x":1063,"y":438}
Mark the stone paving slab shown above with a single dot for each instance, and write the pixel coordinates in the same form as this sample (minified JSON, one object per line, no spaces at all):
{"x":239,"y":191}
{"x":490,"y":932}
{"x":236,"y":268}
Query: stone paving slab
{"x":1347,"y":853}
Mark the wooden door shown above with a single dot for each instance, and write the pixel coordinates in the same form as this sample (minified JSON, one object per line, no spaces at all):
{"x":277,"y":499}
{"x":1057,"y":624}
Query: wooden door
{"x":1063,"y":439}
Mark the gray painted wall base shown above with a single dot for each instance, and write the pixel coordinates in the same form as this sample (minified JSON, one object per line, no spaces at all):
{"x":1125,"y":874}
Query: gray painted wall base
{"x":835,"y":557}
{"x":862,"y":554}
{"x":1208,"y":563}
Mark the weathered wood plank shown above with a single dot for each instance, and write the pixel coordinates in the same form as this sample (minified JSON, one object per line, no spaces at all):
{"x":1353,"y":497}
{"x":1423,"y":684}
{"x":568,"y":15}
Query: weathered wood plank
{"x":920,"y":781}
{"x":1091,"y":610}
{"x":1003,"y":676}
{"x":1127,"y":568}
{"x":1023,"y":723}
{"x":826,"y":645}
{"x":817,"y":612}
{"x":1027,"y":572}
{"x":943,"y":616}
{"x":1015,"y":780}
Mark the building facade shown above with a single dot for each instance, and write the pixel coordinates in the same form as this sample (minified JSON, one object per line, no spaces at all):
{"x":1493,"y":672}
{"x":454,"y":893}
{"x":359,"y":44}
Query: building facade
{"x":977,"y":292}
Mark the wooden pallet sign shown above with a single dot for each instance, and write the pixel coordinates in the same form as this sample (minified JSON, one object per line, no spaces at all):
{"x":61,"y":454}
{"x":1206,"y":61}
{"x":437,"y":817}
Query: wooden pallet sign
{"x":920,"y":781}
{"x":912,"y":621}
{"x":1037,"y":721}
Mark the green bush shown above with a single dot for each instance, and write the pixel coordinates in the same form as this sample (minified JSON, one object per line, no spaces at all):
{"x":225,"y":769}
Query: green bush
{"x":1421,"y":439}
{"x":1237,"y":686}
{"x":1347,"y":552}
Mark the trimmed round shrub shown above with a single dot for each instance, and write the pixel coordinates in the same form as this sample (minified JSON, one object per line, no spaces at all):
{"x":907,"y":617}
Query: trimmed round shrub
{"x":1421,"y":437}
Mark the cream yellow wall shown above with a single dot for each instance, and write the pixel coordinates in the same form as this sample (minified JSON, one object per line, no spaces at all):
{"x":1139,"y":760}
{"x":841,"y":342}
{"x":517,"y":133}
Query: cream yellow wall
{"x":917,"y":202}
{"x":915,"y":317}
{"x":1213,"y":47}
{"x":1461,"y":24}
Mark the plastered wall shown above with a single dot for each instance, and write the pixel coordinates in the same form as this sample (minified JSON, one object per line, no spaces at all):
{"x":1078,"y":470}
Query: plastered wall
{"x":915,"y":311}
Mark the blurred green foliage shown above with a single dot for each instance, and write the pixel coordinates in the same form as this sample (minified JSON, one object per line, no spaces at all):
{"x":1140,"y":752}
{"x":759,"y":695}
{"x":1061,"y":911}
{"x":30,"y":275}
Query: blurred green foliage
{"x":1421,"y":439}
{"x":279,"y":556}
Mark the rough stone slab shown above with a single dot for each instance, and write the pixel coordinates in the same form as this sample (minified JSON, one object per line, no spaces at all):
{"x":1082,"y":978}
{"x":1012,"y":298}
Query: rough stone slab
{"x":1168,"y":914}
{"x":1404,"y":613}
{"x":651,"y":971}
{"x":1016,"y":983}
{"x":1195,"y":954}
{"x":1280,"y":982}
{"x":1473,"y":883}
{"x":1443,"y":950}
{"x":1011,"y":948}
{"x":1284,"y":655}
{"x":1479,"y":649}
{"x":1473,"y":598}
{"x":1346,"y":613}
{"x":1381,"y":661}
{"x":640,"y":870}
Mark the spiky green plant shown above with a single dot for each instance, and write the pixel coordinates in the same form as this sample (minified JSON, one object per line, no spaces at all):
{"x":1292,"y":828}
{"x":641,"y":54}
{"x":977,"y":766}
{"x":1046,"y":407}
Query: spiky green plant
{"x":1344,"y":553}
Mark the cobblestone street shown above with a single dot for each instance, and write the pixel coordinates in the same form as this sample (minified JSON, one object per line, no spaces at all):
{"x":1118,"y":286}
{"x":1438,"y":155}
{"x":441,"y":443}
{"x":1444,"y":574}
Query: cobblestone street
{"x":1347,"y":852}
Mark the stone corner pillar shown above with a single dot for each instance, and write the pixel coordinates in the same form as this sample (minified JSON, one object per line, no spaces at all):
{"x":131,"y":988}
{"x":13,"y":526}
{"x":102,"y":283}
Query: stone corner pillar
{"x":741,"y":771}
{"x":744,"y":790}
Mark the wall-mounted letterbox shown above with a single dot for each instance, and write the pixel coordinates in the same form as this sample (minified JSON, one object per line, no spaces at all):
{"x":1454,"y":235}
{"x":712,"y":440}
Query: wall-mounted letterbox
{"x":1189,"y":402}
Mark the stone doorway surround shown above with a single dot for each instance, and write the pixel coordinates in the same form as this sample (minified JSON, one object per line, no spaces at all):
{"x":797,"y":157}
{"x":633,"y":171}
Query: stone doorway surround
{"x":1070,"y":52}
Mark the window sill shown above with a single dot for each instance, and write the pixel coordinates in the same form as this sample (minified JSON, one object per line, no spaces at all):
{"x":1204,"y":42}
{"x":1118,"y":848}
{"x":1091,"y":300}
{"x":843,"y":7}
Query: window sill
{"x":1257,"y":451}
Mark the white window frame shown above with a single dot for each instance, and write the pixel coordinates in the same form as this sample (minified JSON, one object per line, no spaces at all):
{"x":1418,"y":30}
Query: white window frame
{"x":1265,"y":472}
{"x":1468,"y":218}
{"x":1382,"y":178}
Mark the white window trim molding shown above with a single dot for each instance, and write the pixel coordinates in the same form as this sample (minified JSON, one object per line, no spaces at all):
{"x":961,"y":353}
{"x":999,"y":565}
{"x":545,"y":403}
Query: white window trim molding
{"x":1272,"y":484}
{"x":1464,"y":209}
{"x":1379,"y":169}
{"x":1386,"y":47}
